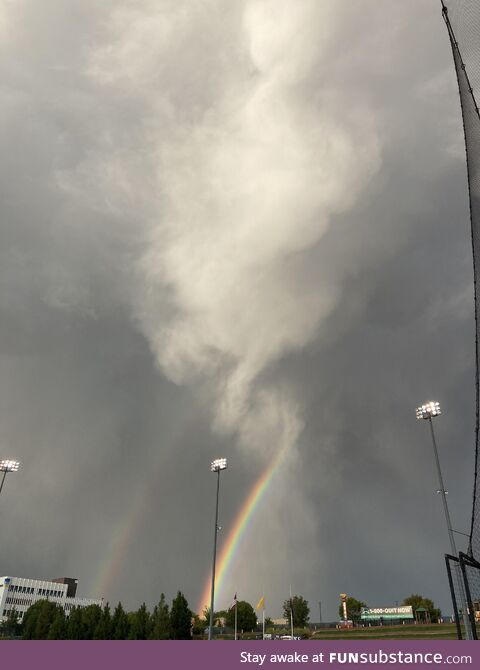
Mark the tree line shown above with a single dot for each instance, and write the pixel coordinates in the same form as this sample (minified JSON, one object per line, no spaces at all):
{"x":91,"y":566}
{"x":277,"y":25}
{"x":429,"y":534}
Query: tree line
{"x":45,"y":620}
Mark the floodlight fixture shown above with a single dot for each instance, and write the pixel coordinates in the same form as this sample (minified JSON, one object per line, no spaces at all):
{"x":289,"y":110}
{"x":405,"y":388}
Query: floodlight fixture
{"x":218,"y":464}
{"x":429,"y":410}
{"x":8,"y":465}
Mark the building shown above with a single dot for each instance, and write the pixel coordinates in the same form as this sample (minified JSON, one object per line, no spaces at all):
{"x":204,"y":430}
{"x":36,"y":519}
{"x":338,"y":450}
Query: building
{"x":20,"y":593}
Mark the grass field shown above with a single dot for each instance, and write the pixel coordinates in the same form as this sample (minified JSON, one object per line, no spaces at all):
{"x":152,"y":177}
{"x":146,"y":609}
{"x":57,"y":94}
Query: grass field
{"x":445,"y":631}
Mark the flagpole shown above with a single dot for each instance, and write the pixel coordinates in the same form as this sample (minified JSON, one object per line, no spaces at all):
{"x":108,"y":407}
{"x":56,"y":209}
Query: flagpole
{"x":236,"y":607}
{"x":263,"y":612}
{"x":291,"y":610}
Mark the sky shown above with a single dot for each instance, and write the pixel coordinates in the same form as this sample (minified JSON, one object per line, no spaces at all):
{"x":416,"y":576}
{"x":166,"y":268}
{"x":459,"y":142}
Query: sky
{"x":233,"y":230}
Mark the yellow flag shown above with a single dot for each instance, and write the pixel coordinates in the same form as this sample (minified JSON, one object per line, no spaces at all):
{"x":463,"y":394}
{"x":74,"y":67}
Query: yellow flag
{"x":261,"y":604}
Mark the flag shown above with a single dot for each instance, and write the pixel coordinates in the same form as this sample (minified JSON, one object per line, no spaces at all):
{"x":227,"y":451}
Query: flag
{"x":233,"y":603}
{"x":261,"y":604}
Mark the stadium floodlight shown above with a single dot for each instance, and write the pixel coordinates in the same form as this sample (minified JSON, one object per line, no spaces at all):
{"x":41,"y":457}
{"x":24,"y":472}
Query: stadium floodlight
{"x":7,"y":465}
{"x":428,"y":411}
{"x":217,"y":466}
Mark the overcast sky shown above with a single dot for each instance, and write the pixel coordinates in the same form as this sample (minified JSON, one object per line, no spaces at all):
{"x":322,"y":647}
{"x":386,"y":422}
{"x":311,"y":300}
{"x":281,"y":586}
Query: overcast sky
{"x":229,"y":228}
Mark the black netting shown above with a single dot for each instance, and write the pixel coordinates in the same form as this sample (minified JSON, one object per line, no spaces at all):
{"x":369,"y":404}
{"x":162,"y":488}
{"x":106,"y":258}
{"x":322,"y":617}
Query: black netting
{"x":471,"y":573}
{"x":464,"y":581}
{"x":464,"y":18}
{"x":463,"y":22}
{"x":455,"y":579}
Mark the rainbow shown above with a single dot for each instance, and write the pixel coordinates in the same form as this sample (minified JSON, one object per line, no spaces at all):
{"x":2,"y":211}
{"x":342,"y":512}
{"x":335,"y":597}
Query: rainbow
{"x":123,"y":535}
{"x":120,"y":539}
{"x":238,"y":530}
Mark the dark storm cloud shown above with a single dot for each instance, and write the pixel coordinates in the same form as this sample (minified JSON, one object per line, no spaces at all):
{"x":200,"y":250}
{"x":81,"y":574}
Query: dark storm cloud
{"x":227,"y":229}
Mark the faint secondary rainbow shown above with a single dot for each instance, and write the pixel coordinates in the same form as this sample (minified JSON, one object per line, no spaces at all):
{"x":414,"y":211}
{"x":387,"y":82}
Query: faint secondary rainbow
{"x":239,"y":528}
{"x":120,"y":540}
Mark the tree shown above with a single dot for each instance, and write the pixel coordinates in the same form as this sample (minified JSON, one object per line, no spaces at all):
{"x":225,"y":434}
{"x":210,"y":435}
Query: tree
{"x":180,"y":619}
{"x":160,"y":629}
{"x":354,"y":609}
{"x":11,"y":626}
{"x":246,"y":617}
{"x":103,"y":631}
{"x":45,"y":619}
{"x":198,"y":625}
{"x":58,"y":629}
{"x":301,"y":611}
{"x":140,"y":624}
{"x":91,"y":617}
{"x":30,"y":619}
{"x":120,"y":624}
{"x":75,"y":624}
{"x":417,"y":602}
{"x":38,"y":619}
{"x":217,"y":616}
{"x":206,"y":616}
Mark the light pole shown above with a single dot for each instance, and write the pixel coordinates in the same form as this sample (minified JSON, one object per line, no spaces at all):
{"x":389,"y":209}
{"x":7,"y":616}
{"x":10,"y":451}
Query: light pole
{"x":7,"y":466}
{"x":217,"y":466}
{"x":427,"y":412}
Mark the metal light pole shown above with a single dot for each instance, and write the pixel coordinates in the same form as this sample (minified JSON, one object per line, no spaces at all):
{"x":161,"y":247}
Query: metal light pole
{"x":291,"y":610}
{"x":7,"y":466}
{"x":216,"y":466}
{"x":427,"y":412}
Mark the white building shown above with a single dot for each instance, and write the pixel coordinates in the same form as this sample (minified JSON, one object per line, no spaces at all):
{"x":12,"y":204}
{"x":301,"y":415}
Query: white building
{"x":20,"y":593}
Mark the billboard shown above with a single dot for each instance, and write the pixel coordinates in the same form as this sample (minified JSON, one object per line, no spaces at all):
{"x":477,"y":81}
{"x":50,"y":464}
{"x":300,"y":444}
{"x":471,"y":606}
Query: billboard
{"x":375,"y":613}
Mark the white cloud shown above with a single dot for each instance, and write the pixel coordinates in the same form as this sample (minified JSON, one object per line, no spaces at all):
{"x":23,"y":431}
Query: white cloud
{"x":253,"y":181}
